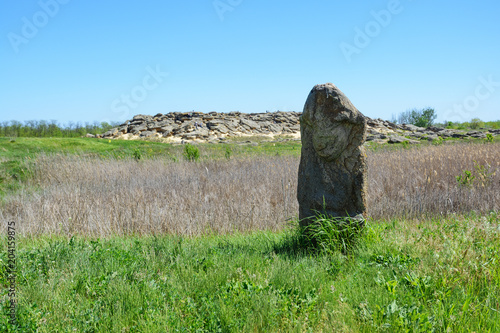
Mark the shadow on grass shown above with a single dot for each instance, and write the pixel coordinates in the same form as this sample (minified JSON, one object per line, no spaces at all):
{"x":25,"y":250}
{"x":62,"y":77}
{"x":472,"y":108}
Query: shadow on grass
{"x":295,"y":244}
{"x":324,"y":235}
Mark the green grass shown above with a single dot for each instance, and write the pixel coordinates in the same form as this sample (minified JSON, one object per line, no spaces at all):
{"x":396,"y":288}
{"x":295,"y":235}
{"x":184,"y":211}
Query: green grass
{"x":21,"y":147}
{"x":415,"y":276}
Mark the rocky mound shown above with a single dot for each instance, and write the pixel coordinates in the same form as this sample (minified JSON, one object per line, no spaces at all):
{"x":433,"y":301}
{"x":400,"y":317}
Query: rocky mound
{"x":215,"y":126}
{"x":198,"y":126}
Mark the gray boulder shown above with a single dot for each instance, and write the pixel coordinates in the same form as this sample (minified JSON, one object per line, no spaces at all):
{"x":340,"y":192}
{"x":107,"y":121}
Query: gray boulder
{"x":332,"y":171}
{"x":413,"y":128}
{"x":136,"y":129}
{"x":476,"y":134}
{"x":111,"y":132}
{"x":249,"y":123}
{"x":147,"y":134}
{"x":397,"y":139}
{"x":401,"y":139}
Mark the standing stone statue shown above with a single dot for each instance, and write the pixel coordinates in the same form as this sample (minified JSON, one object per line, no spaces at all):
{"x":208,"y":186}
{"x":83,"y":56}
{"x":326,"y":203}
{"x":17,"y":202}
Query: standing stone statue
{"x":332,"y":171}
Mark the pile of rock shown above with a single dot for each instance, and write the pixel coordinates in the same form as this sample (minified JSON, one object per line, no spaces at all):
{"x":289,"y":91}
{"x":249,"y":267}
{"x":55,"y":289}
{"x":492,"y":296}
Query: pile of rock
{"x":382,"y":131}
{"x":213,"y":126}
{"x":198,"y":126}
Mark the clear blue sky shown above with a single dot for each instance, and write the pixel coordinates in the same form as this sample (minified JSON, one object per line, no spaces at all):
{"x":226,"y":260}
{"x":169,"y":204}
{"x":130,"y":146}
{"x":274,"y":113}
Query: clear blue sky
{"x":73,"y":60}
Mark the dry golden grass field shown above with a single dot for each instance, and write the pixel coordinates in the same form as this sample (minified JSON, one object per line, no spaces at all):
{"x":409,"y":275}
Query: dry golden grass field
{"x":72,"y":194}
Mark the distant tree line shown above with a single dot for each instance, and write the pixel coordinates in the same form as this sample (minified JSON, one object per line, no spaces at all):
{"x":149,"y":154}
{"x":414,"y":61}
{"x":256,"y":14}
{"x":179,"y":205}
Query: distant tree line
{"x":426,"y":117}
{"x":43,"y":128}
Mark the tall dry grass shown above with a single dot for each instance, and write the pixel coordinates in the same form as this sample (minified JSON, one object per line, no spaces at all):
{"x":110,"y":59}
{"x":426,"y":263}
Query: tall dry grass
{"x":99,"y":197}
{"x":422,"y":181}
{"x":105,"y":196}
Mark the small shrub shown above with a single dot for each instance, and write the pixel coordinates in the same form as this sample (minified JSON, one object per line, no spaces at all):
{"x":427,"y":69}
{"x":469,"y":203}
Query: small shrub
{"x":466,"y":179}
{"x":489,"y":138}
{"x":438,"y":141}
{"x":228,"y":152}
{"x":191,"y":153}
{"x":481,"y":176}
{"x":137,"y":154}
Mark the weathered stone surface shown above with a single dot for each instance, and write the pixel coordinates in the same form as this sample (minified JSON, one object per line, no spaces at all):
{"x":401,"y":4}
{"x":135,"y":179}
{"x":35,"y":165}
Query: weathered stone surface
{"x":332,"y":171}
{"x":397,"y":139}
{"x":434,"y":129}
{"x":142,"y":117}
{"x":458,"y":135}
{"x":111,"y":132}
{"x":136,"y":129}
{"x":275,"y":128}
{"x":432,"y":137}
{"x":417,"y":135}
{"x":123,"y":129}
{"x":250,"y":123}
{"x":410,"y":127}
{"x":378,"y":136}
{"x":167,"y":129}
{"x":147,"y":134}
{"x":401,"y":139}
{"x":476,"y":134}
{"x":157,"y":125}
{"x":219,"y":128}
{"x":232,"y":125}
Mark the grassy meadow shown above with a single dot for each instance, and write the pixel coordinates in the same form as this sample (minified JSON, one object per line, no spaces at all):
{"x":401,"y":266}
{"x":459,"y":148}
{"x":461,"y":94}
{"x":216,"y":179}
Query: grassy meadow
{"x":135,"y":236}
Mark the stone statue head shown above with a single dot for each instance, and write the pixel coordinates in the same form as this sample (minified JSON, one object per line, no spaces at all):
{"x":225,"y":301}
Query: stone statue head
{"x":335,"y":124}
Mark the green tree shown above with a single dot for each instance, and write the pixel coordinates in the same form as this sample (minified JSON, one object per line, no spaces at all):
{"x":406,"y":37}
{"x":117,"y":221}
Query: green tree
{"x":476,"y":123}
{"x":422,"y":118}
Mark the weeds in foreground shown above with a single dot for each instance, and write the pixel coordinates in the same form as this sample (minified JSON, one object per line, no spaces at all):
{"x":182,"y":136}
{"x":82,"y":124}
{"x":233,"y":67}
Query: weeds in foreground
{"x":324,"y":235}
{"x":466,"y":179}
{"x":137,"y":154}
{"x":418,"y":275}
{"x":481,"y":173}
{"x":489,"y":138}
{"x":228,"y":152}
{"x":191,"y":153}
{"x":334,"y":234}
